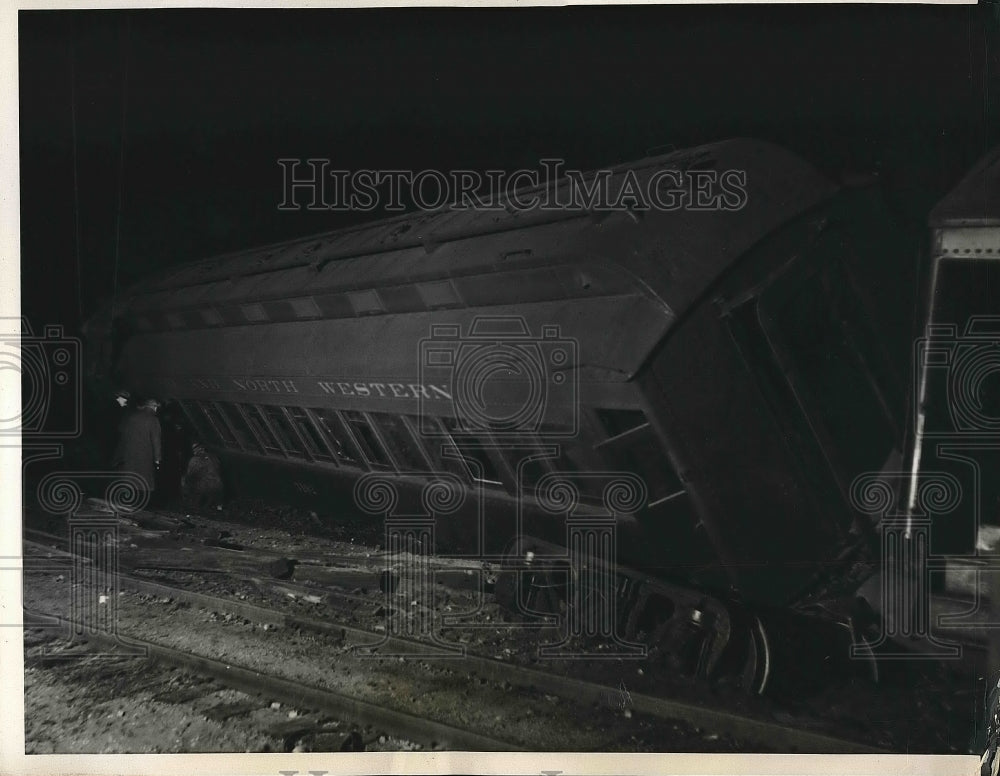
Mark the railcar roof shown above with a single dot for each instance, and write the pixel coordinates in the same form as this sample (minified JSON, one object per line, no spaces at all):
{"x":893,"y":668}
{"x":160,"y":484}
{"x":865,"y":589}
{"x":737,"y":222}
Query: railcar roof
{"x":765,"y":165}
{"x":976,"y":199}
{"x":675,"y":254}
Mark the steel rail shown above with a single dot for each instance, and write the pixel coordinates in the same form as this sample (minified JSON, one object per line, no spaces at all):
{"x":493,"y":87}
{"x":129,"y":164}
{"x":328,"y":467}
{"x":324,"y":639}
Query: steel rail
{"x":255,"y":682}
{"x":779,"y":736}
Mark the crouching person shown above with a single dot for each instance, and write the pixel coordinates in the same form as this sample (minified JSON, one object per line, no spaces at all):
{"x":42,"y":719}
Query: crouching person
{"x":201,"y":485}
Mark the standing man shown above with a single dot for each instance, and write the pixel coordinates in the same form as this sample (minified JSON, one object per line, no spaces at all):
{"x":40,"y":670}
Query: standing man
{"x":139,"y":443}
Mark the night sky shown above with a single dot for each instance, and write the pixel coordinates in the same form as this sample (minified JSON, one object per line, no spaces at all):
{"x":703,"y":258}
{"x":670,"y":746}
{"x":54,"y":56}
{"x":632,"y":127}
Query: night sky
{"x":209,"y":100}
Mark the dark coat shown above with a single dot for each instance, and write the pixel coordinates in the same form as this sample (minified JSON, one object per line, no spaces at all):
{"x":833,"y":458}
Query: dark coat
{"x":139,"y":445}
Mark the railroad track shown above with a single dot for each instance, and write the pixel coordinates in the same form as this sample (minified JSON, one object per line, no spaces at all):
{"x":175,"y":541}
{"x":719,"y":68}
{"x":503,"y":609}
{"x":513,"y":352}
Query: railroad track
{"x":81,"y":697}
{"x":291,"y":693}
{"x":743,"y":727}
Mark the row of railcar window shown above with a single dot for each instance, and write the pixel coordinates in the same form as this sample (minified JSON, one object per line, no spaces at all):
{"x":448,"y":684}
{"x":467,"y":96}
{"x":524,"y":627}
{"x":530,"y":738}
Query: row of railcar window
{"x":376,"y":441}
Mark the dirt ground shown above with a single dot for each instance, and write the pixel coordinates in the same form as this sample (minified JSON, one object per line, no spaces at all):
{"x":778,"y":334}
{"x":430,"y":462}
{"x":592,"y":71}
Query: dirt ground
{"x":439,"y":689}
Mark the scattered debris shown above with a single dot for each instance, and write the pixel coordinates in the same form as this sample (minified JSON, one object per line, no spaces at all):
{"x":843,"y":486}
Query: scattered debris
{"x":224,"y":711}
{"x":388,"y":582}
{"x":353,"y":743}
{"x":282,"y":568}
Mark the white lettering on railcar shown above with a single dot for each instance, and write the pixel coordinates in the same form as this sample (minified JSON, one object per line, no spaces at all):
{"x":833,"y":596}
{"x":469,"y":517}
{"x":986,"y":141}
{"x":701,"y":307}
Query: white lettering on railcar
{"x":266,"y":386}
{"x":366,"y":390}
{"x":361,"y":389}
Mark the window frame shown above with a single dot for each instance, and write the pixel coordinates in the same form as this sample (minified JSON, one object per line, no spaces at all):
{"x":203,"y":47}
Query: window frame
{"x":434,"y":446}
{"x":323,"y":454}
{"x":226,"y":409}
{"x":342,"y":436}
{"x":361,"y":443}
{"x":530,"y":441}
{"x":246,"y":410}
{"x":615,"y":446}
{"x":490,"y":447}
{"x":265,"y":410}
{"x":201,"y":424}
{"x":207,"y":404}
{"x":407,"y":427}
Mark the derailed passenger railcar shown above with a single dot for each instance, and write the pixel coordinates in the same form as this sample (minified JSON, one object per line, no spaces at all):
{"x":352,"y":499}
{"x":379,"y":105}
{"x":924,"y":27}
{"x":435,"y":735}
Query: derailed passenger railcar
{"x":745,"y":362}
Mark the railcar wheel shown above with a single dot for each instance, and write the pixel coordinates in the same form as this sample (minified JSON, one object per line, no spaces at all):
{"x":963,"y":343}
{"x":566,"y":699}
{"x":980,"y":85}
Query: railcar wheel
{"x":863,"y":654}
{"x":684,"y":645}
{"x":757,"y":667}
